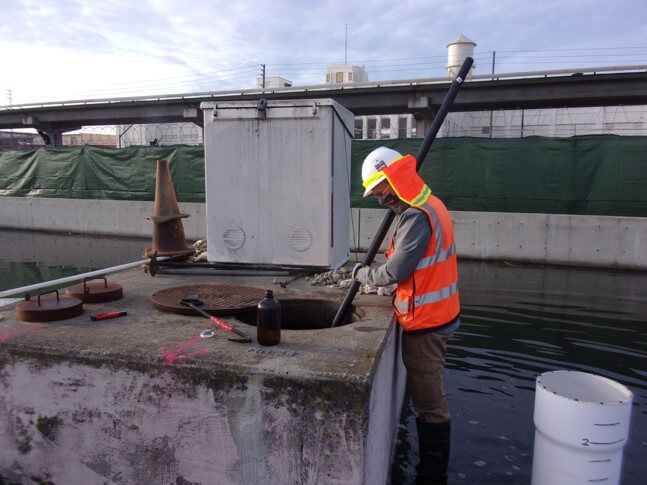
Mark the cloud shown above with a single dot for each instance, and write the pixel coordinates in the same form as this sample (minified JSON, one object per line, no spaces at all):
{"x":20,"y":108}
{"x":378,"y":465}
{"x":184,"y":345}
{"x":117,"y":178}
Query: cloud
{"x":160,"y":46}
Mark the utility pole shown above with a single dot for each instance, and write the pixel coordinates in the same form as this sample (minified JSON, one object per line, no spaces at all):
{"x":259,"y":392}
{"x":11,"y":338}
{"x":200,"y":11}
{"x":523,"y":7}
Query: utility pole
{"x":10,"y":99}
{"x":493,"y":58}
{"x":263,"y":75}
{"x":346,"y":44}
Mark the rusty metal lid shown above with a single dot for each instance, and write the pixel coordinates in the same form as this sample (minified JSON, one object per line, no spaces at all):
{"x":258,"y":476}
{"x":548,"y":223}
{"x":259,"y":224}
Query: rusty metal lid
{"x":95,"y":292}
{"x":48,"y":309}
{"x":217,"y":299}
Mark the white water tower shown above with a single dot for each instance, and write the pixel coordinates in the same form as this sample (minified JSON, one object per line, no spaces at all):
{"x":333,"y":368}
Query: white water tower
{"x":457,"y":50}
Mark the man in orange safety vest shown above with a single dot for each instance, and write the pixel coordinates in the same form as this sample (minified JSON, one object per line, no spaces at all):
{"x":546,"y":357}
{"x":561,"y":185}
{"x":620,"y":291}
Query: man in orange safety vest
{"x":421,"y":259}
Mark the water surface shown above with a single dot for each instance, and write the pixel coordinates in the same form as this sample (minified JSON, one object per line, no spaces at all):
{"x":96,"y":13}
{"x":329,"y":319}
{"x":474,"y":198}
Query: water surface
{"x":518,"y":322}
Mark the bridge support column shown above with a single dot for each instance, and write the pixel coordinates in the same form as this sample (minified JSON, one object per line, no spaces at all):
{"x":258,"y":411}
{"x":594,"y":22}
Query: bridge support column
{"x":423,"y":121}
{"x":395,"y":126}
{"x":52,"y":137}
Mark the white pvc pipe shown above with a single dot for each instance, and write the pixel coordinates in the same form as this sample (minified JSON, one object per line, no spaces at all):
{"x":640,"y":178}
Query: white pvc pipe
{"x":68,"y":279}
{"x":581,"y":428}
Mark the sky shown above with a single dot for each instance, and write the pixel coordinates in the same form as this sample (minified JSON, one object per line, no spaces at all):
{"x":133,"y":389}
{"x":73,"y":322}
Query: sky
{"x":54,"y":50}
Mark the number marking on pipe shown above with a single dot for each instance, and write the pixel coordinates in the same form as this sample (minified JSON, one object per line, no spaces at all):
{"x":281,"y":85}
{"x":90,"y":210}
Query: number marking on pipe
{"x":587,"y":442}
{"x":607,"y":443}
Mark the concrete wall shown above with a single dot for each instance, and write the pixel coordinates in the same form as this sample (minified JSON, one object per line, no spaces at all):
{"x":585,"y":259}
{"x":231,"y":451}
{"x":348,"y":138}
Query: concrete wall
{"x":66,"y":422}
{"x":603,"y":241}
{"x":385,"y":406}
{"x":612,"y":242}
{"x":93,"y":216}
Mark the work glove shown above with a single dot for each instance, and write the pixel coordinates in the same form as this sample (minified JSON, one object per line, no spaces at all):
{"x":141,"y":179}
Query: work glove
{"x":387,"y":290}
{"x":356,"y":268}
{"x":343,"y":284}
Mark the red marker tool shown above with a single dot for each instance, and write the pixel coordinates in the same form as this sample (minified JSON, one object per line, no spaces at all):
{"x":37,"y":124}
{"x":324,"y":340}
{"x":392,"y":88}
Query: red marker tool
{"x":105,"y":316}
{"x":195,"y":304}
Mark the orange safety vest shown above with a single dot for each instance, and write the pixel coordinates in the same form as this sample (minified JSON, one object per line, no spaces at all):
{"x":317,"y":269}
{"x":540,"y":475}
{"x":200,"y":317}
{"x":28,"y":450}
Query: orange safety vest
{"x":429,"y":296}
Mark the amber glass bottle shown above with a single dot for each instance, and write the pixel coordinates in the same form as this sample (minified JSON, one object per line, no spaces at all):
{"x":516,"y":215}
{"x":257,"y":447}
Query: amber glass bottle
{"x":268,"y":320}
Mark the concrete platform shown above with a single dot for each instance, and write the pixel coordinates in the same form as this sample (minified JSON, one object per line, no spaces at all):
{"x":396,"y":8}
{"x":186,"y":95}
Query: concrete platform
{"x":142,"y":399}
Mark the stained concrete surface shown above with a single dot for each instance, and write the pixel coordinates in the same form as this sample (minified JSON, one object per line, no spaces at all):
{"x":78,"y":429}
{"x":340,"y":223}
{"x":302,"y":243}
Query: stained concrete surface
{"x":142,"y":399}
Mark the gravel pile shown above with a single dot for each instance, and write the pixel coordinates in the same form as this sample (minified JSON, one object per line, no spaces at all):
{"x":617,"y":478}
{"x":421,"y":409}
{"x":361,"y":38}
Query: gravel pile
{"x":327,"y":278}
{"x":200,"y":254}
{"x":330,"y":278}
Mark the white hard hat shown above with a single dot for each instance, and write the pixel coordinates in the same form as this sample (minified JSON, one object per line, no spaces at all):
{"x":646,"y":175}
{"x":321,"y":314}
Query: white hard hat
{"x":375,"y":162}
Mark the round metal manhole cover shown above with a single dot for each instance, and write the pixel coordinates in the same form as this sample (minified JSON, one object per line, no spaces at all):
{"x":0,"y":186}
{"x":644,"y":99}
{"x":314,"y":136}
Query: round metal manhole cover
{"x":300,"y":239}
{"x":49,"y":309}
{"x":217,"y":300}
{"x":95,"y":292}
{"x":234,"y":238}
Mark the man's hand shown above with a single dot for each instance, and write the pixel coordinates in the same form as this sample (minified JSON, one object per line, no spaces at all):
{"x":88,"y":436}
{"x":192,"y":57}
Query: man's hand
{"x":357,"y":267}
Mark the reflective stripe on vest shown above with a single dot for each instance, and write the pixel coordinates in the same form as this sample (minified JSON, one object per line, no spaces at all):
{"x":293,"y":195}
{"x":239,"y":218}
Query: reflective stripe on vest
{"x":422,"y":197}
{"x":431,"y":297}
{"x":401,"y":306}
{"x":435,"y":296}
{"x":436,"y":258}
{"x":437,"y":228}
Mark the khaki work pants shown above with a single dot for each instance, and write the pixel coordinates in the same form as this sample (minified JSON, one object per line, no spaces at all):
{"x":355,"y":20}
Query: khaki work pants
{"x":424,"y":359}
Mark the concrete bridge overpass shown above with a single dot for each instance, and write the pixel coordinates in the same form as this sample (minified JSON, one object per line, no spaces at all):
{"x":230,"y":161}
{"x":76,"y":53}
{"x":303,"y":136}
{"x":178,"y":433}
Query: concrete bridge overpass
{"x":580,"y":87}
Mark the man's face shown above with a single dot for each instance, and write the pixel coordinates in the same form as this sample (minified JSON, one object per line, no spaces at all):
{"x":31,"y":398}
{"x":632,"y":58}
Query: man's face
{"x":384,"y":194}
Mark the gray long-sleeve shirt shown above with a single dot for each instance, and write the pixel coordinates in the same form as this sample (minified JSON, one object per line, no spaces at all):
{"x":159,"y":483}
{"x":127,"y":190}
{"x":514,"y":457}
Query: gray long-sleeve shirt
{"x":410,"y":240}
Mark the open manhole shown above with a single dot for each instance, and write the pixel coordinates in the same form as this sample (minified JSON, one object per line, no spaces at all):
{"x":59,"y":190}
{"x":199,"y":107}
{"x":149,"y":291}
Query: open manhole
{"x":307,"y":313}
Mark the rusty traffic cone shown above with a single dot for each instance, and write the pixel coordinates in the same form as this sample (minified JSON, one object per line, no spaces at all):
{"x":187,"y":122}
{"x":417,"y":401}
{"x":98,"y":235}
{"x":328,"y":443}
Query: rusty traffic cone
{"x":168,"y":232}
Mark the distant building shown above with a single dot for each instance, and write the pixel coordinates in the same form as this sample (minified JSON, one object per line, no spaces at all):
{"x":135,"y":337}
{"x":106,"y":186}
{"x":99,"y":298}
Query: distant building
{"x":16,"y":140}
{"x":345,"y":73}
{"x":158,"y":134}
{"x":273,"y":82}
{"x":95,"y":139}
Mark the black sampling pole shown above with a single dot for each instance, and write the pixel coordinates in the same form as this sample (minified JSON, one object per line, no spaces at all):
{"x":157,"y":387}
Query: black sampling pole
{"x":420,"y":157}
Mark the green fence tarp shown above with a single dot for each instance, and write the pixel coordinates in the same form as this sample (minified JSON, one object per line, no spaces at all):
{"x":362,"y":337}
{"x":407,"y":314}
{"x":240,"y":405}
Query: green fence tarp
{"x":101,"y":173}
{"x":595,"y":174}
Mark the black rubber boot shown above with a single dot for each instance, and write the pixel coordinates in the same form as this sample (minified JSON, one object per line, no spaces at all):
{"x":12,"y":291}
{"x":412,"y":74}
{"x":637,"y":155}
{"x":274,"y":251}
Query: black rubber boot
{"x":434,"y":442}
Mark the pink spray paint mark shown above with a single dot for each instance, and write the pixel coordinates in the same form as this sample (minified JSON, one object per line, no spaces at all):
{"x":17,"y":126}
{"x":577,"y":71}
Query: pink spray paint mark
{"x":171,"y":356}
{"x":17,"y":331}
